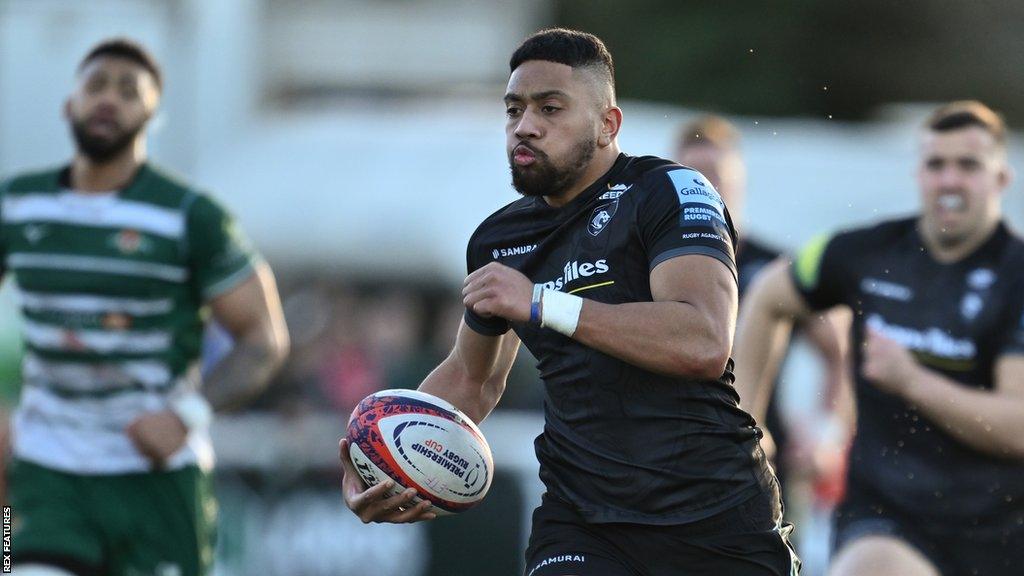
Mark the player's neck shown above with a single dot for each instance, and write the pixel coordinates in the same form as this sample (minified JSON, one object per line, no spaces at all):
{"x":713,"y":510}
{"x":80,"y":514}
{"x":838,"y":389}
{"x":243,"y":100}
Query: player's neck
{"x":114,"y":174}
{"x":949,"y":253}
{"x":604,"y":159}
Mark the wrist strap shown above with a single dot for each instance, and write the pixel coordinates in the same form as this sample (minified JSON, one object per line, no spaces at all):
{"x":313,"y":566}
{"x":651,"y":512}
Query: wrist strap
{"x":538,"y":289}
{"x":560,"y":311}
{"x":193,"y":409}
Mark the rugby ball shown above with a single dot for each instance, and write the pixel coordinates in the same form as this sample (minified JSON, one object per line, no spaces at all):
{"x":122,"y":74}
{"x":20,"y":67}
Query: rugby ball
{"x":421,"y":441}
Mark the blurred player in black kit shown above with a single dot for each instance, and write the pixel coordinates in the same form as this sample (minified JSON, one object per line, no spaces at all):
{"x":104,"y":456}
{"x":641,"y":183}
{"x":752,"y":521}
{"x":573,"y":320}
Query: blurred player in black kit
{"x":617,"y":272}
{"x":936,"y":471}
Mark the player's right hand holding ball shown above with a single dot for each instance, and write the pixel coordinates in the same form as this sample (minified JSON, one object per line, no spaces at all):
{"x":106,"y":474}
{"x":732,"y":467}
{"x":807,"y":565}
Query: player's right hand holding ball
{"x":373,"y":504}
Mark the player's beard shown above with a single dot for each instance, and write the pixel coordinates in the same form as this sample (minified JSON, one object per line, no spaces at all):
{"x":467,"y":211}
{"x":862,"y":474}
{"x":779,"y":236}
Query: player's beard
{"x":543,"y":178}
{"x":102,"y":149}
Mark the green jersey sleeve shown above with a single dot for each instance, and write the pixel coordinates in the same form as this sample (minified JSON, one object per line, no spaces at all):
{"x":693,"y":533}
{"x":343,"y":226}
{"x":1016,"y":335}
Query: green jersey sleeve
{"x":220,"y":256}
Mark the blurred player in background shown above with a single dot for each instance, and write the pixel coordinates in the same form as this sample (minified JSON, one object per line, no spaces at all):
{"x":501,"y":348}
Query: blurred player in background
{"x":650,"y":465}
{"x":115,"y":264}
{"x":711,"y":145}
{"x":936,"y":471}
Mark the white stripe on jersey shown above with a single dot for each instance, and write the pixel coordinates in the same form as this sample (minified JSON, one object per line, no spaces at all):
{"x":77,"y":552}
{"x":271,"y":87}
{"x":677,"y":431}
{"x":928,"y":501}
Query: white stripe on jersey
{"x":97,"y":341}
{"x":86,"y":436}
{"x":85,"y":377}
{"x":90,"y":304}
{"x":101,"y":211}
{"x":23,"y":260}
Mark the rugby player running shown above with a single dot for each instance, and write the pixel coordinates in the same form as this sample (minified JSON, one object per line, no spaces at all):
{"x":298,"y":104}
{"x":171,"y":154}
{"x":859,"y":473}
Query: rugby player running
{"x":650,"y":466}
{"x":936,"y":471}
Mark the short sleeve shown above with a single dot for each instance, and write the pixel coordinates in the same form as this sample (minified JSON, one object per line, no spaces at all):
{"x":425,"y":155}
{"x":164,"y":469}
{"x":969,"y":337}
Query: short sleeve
{"x":683,"y":214}
{"x":818,"y":272}
{"x":220,"y":256}
{"x":493,"y":326}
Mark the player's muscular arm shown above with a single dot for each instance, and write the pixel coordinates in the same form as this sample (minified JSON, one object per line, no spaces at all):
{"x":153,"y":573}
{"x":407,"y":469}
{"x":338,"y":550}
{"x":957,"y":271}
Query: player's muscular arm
{"x":473,"y":376}
{"x":991,"y":421}
{"x":769,"y":309}
{"x":687,"y":329}
{"x":252,"y":314}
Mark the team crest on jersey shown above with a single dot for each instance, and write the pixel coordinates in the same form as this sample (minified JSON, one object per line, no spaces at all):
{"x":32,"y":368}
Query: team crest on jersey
{"x":130,"y":241}
{"x":601,"y":216}
{"x":116,"y":321}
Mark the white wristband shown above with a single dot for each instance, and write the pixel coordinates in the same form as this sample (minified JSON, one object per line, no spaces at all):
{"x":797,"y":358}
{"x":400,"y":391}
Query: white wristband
{"x":560,"y":311}
{"x":193,"y":409}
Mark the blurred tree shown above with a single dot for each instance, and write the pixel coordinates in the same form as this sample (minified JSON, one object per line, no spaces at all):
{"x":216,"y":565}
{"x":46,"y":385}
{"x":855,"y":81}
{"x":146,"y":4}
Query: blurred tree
{"x":807,"y":57}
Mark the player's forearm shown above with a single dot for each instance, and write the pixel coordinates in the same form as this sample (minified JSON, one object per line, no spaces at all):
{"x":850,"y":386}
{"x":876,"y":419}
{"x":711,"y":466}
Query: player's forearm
{"x":666,"y":337}
{"x":476,"y":397}
{"x":245,"y":371}
{"x":762,"y":336}
{"x":982,"y":419}
{"x":825,"y":338}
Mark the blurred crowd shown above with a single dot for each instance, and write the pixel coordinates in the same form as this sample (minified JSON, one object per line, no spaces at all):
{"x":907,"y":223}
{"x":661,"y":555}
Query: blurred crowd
{"x":353,"y":338}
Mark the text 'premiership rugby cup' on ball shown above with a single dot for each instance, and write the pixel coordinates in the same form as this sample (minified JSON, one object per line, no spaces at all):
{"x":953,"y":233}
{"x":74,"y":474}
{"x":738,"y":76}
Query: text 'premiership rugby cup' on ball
{"x":421,"y":441}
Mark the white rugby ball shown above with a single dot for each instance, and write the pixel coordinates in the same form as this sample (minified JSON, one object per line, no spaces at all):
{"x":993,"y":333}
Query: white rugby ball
{"x":421,"y":441}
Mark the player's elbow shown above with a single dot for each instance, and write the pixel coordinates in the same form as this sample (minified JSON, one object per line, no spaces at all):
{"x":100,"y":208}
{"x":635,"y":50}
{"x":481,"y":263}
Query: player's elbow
{"x":1015,"y":450}
{"x":269,"y":350}
{"x":706,"y":363}
{"x":278,"y":349}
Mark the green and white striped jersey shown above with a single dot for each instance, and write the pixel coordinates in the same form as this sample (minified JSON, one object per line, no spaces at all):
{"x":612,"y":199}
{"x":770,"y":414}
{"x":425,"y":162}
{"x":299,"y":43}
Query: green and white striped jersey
{"x":112,"y":288}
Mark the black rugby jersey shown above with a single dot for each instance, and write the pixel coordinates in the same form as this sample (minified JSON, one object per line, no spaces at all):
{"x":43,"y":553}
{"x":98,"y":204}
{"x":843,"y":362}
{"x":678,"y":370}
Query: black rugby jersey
{"x":622,"y":444}
{"x":957,"y":319}
{"x":751,"y":258}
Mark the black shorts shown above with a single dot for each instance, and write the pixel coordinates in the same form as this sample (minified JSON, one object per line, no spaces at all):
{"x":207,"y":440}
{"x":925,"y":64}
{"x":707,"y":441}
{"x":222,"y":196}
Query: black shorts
{"x":743,"y":541}
{"x":991,"y":547}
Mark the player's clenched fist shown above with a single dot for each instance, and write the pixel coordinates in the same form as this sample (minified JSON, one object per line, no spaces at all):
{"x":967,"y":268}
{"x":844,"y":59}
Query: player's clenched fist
{"x":497,"y":290}
{"x":887,"y":363}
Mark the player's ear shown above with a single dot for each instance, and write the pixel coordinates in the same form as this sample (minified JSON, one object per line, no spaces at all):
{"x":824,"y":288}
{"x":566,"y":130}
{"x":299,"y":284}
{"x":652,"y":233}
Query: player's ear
{"x":1006,"y":176}
{"x":611,"y":121}
{"x":65,"y":110}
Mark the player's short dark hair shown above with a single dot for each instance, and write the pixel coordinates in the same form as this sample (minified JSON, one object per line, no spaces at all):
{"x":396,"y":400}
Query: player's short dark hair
{"x":570,"y":47}
{"x":709,"y":130}
{"x":129,"y":50}
{"x":967,"y":113}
